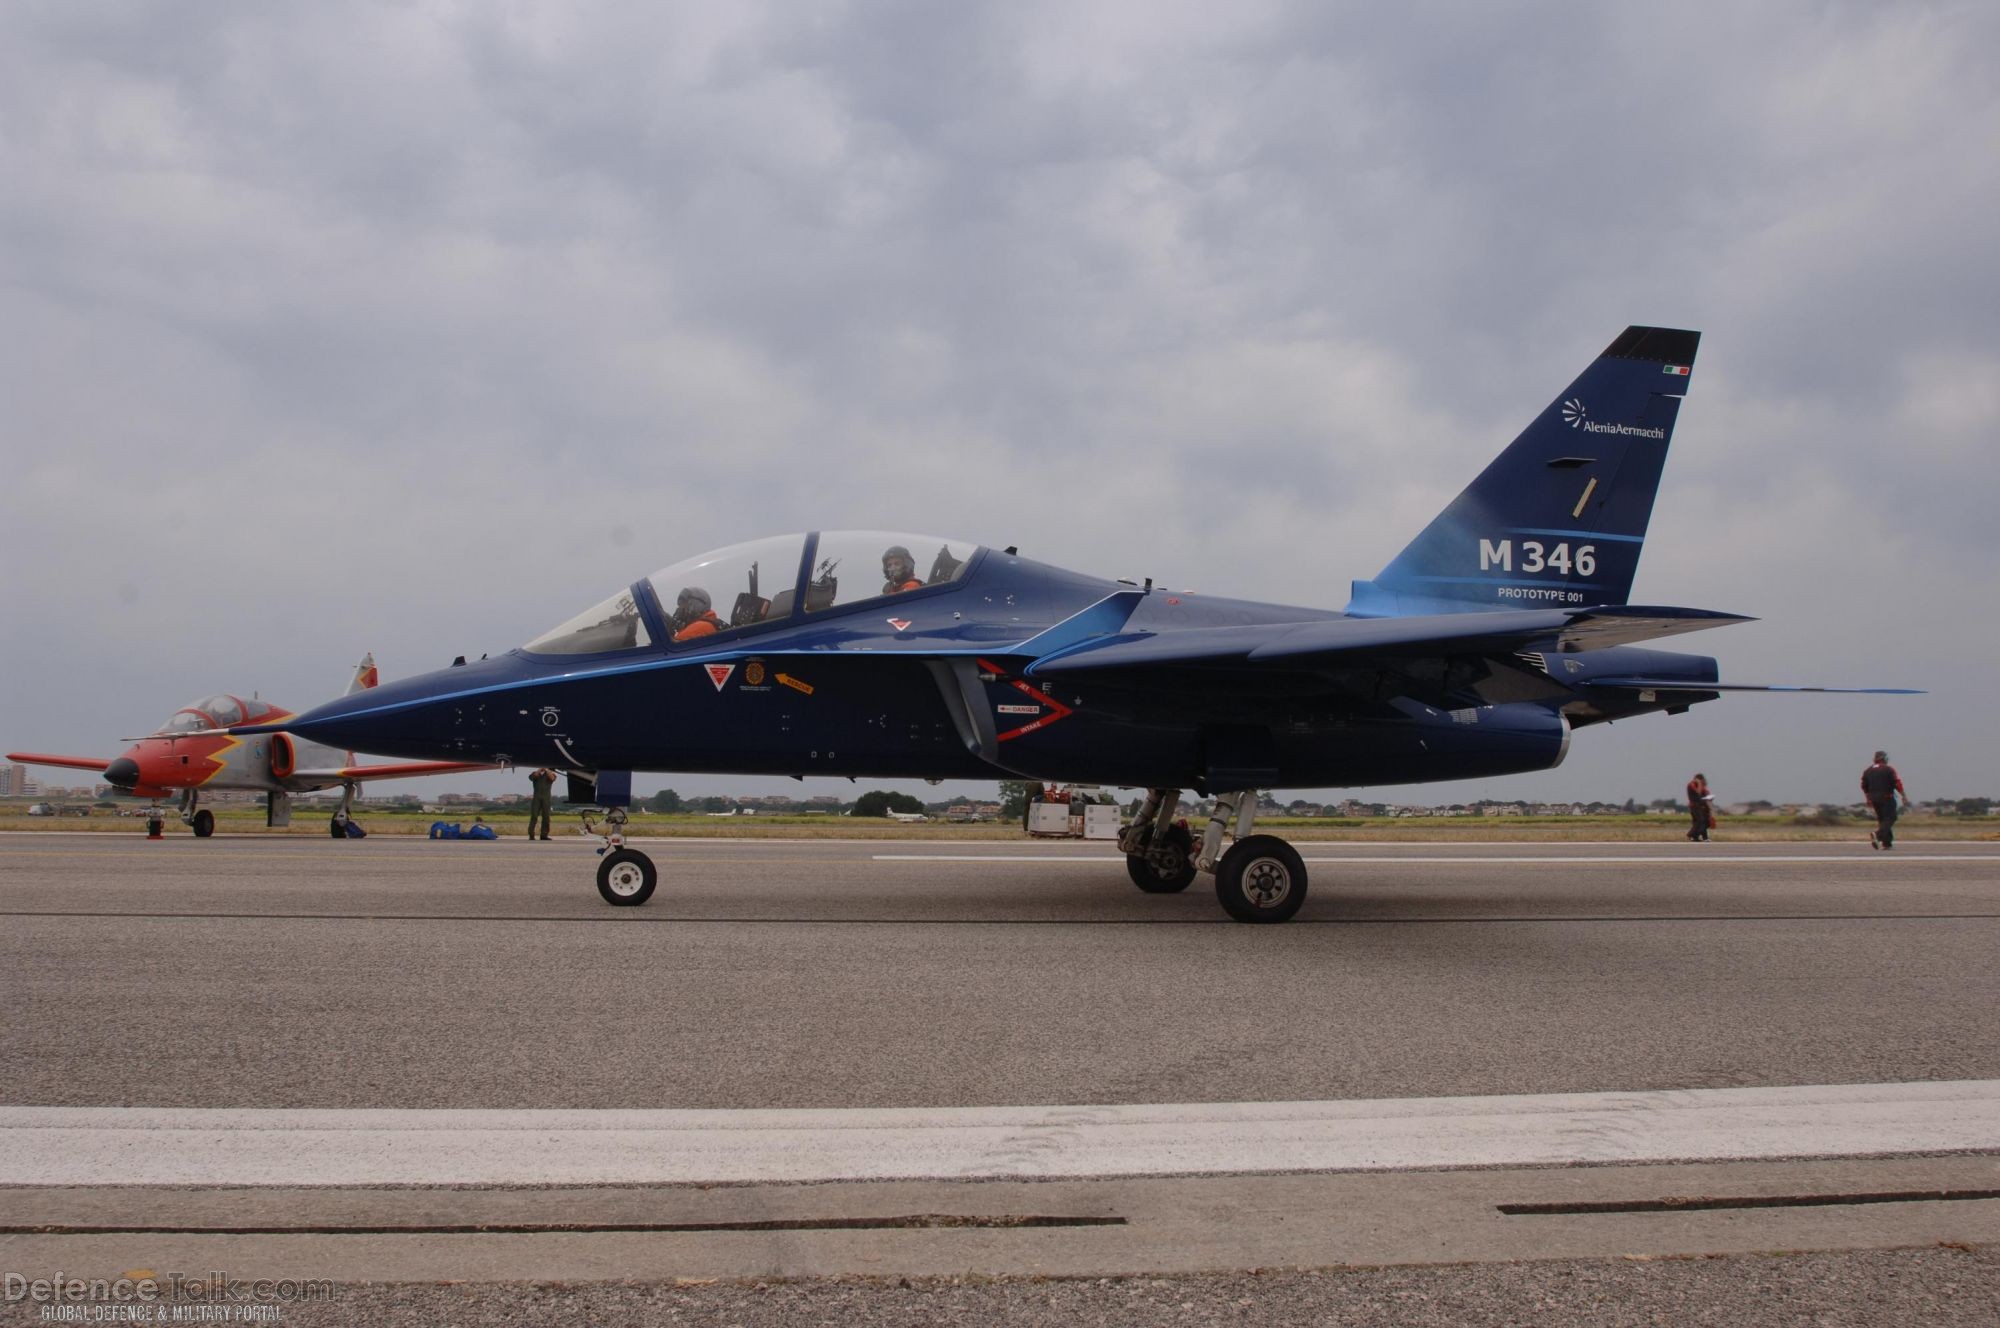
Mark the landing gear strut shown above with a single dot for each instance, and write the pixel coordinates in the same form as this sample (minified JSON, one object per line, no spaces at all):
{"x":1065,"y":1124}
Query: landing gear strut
{"x":626,"y":878}
{"x":337,"y":825}
{"x":1260,"y":878}
{"x":202,"y":820}
{"x":1159,"y":851}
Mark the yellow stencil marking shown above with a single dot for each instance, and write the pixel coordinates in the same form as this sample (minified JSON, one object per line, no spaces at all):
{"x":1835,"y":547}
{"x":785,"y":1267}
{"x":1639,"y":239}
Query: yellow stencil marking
{"x":1588,"y":489}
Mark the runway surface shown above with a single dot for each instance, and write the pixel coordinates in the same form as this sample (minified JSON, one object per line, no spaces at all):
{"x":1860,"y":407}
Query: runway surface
{"x":383,"y":974}
{"x":357,"y":982}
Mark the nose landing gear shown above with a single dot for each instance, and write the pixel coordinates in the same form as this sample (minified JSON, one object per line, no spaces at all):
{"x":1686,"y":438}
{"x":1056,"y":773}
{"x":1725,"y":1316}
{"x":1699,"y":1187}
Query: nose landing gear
{"x":626,"y":877}
{"x":200,"y":819}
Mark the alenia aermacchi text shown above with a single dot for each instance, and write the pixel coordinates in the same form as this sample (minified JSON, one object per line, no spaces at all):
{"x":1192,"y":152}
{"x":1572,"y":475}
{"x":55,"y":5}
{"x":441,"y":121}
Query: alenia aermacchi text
{"x":1501,"y":629}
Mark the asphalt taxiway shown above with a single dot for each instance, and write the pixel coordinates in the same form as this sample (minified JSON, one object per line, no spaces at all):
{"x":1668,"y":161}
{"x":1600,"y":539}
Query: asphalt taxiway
{"x":354,"y":1012}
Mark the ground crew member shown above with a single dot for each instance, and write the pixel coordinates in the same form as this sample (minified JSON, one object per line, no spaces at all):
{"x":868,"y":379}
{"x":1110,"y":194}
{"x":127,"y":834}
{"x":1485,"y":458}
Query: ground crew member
{"x":694,"y":615}
{"x":1701,"y":808}
{"x":899,"y":571}
{"x":542,"y":780}
{"x":1880,"y":784}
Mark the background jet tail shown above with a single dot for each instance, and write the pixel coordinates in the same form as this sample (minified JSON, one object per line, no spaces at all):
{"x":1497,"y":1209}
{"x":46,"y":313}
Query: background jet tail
{"x":365,"y":675}
{"x":1558,"y":519}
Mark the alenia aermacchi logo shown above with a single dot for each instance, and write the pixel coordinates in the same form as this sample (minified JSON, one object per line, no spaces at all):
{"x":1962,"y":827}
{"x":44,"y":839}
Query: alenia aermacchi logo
{"x":1576,"y":417}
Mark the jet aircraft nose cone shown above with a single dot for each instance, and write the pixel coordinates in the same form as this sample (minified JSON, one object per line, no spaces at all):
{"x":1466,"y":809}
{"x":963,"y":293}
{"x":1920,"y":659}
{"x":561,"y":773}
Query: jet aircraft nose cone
{"x":122,"y":773}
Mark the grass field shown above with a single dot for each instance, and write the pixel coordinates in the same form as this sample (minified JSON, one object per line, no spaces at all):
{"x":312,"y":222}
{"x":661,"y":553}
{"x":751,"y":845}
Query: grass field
{"x":511,"y":825}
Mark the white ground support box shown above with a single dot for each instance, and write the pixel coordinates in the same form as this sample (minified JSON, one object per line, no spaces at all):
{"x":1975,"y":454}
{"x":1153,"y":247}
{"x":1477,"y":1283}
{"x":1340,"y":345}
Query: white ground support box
{"x":1065,"y":820}
{"x":1049,"y":818}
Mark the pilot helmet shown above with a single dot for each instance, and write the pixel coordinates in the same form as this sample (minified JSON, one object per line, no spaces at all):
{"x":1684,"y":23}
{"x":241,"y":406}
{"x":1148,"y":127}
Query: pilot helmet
{"x":692,"y":602}
{"x":897,"y":564}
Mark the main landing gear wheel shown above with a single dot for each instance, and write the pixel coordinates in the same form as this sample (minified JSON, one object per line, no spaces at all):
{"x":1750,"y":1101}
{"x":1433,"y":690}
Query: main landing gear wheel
{"x":203,"y":823}
{"x":1168,"y":867}
{"x":1261,"y":879}
{"x":626,"y":877}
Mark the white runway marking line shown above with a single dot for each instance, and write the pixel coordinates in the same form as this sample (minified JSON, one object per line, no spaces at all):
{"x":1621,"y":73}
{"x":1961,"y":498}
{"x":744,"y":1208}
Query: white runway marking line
{"x":1702,"y":860}
{"x":148,"y":1146}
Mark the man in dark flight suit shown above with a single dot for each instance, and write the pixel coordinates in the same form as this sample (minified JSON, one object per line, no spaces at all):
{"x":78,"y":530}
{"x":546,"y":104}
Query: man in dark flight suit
{"x":542,"y":781}
{"x":1880,"y":784}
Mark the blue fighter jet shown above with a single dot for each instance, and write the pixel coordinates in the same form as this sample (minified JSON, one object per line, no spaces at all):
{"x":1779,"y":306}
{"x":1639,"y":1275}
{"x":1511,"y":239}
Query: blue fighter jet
{"x":1501,"y":629}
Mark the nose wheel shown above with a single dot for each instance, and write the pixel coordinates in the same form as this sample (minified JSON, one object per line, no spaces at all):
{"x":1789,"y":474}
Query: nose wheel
{"x":197,"y":818}
{"x":626,"y":877}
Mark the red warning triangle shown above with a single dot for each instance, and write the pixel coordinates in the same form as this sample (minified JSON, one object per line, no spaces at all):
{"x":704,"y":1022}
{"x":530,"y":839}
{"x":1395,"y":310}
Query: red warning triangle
{"x":900,"y":624}
{"x":719,"y":673}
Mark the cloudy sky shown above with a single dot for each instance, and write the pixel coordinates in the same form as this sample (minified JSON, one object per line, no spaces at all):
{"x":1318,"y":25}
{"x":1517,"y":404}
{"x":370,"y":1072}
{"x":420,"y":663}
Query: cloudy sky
{"x":414,"y":328}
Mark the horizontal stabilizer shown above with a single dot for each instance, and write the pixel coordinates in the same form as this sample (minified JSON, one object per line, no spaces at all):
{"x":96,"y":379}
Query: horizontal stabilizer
{"x":1623,"y":624}
{"x":71,"y":762}
{"x":1683,"y":685}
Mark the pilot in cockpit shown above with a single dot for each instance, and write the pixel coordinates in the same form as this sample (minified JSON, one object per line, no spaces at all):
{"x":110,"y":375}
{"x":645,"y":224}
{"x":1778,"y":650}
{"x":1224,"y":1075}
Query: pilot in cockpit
{"x":694,"y":615}
{"x":899,"y":571}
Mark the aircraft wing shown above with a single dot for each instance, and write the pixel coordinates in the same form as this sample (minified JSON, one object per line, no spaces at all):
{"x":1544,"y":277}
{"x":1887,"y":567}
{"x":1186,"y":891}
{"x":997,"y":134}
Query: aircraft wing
{"x":1337,"y":642}
{"x":401,"y":770}
{"x":73,"y":762}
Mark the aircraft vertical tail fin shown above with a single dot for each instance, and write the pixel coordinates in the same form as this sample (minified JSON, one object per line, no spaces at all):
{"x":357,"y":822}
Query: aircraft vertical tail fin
{"x":365,"y":675}
{"x":1560,"y":516}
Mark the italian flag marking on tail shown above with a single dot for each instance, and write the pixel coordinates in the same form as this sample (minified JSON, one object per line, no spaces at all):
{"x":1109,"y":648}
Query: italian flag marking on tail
{"x":1680,"y":369}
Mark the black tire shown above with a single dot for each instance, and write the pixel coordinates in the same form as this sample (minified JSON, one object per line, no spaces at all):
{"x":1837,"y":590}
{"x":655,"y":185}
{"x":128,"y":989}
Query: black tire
{"x":1261,"y":879}
{"x":203,"y":823}
{"x":1147,"y":874}
{"x":626,"y":878}
{"x":335,"y":828}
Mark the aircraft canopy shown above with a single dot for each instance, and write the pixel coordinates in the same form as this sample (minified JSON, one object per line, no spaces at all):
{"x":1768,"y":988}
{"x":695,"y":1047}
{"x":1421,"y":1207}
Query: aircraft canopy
{"x":740,"y":586}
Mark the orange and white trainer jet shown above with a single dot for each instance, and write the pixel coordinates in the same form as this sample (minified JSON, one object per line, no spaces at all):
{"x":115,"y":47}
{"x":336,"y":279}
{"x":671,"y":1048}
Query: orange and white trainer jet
{"x":185,"y":756}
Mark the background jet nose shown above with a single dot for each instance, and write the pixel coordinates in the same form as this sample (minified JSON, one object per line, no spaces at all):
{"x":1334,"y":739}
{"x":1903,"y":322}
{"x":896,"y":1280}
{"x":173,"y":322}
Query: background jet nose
{"x":122,"y":773}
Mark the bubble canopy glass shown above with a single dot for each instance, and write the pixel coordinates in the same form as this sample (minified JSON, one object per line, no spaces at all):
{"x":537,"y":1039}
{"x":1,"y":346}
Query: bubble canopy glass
{"x":728,"y":590}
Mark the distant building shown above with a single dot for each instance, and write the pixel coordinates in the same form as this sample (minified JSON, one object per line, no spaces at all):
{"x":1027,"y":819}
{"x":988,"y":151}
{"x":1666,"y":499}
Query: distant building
{"x":14,"y":782}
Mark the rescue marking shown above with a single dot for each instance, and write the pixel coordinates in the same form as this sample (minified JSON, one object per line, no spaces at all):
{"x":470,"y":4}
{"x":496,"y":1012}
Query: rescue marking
{"x":718,"y":673}
{"x":1028,"y":689}
{"x":793,"y":683}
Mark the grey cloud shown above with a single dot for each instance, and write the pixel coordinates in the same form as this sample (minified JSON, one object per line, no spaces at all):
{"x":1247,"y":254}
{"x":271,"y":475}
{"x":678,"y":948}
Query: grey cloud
{"x":379,"y":322}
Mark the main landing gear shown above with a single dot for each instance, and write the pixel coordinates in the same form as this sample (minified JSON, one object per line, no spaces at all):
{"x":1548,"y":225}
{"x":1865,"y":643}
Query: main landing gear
{"x":1159,"y":851}
{"x":626,"y":877}
{"x":1259,"y":878}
